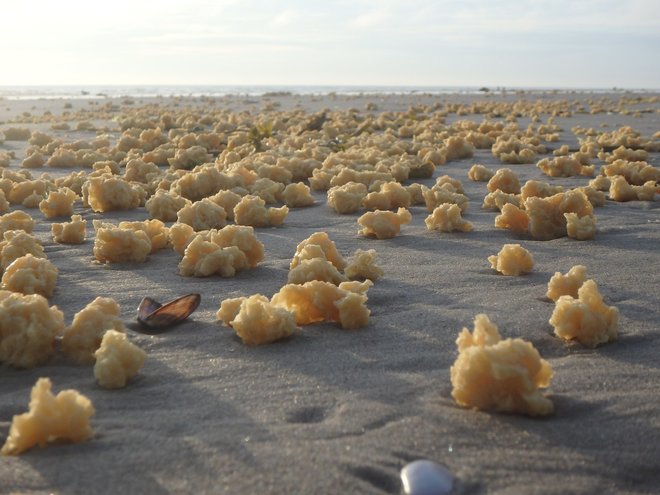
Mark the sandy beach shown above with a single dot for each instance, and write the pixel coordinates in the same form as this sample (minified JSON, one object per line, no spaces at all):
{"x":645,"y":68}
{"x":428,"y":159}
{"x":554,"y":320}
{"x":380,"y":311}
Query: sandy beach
{"x":337,"y":411}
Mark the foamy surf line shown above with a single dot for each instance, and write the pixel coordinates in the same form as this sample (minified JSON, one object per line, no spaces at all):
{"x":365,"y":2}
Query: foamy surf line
{"x":92,"y":92}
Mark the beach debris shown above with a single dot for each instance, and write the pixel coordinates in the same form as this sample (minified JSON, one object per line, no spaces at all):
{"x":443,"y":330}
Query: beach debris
{"x":256,"y":320}
{"x":117,"y":360}
{"x":315,"y":123}
{"x":156,"y":316}
{"x":81,"y":340}
{"x":566,"y":285}
{"x":585,"y":318}
{"x":424,"y":477}
{"x":447,"y":218}
{"x":383,"y":224}
{"x":28,"y":329}
{"x":506,"y":375}
{"x":64,"y":416}
{"x":512,"y":260}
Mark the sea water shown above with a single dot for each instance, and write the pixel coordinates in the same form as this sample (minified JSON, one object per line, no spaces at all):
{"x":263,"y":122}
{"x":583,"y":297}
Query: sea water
{"x":143,"y":91}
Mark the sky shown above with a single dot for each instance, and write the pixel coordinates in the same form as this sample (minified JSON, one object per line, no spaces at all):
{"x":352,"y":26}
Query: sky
{"x":493,"y":43}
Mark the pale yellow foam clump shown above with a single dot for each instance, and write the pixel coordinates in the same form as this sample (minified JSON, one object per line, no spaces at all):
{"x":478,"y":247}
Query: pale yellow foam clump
{"x":363,"y":266}
{"x":316,"y":267}
{"x":17,"y":243}
{"x":567,"y":285}
{"x":391,"y":195}
{"x":4,"y":204}
{"x":505,"y":180}
{"x":35,"y":160}
{"x":62,"y":417}
{"x":229,"y":199}
{"x":252,"y":211}
{"x":585,"y":318}
{"x":29,"y":192}
{"x":327,"y":246}
{"x":256,"y":320}
{"x":205,"y":258}
{"x":513,"y":219}
{"x":458,"y":147}
{"x":203,"y":215}
{"x":140,"y":171}
{"x":267,"y":189}
{"x":30,"y":275}
{"x":509,"y":149}
{"x":485,"y":333}
{"x":539,"y":189}
{"x":449,"y":183}
{"x":366,"y":177}
{"x":6,"y":157}
{"x":69,"y":233}
{"x":546,"y":215}
{"x":164,"y":205}
{"x":479,"y":173}
{"x":347,"y":198}
{"x":33,"y":200}
{"x":241,"y":236}
{"x":600,"y":183}
{"x":116,"y":245}
{"x":443,"y":193}
{"x":17,"y":133}
{"x":181,"y":235}
{"x":189,"y":157}
{"x":203,"y":182}
{"x":580,"y":228}
{"x":117,"y":360}
{"x":620,"y":190}
{"x":497,"y":199}
{"x":16,"y":220}
{"x":105,"y":194}
{"x":416,"y":191}
{"x":595,"y":197}
{"x":383,"y":224}
{"x":105,"y":167}
{"x":318,"y":301}
{"x":276,"y":173}
{"x":244,"y":238}
{"x":297,"y":194}
{"x":512,"y":260}
{"x":83,"y":337}
{"x":359,"y":287}
{"x":623,"y":153}
{"x":502,"y":375}
{"x":58,"y":203}
{"x":566,"y":166}
{"x":635,"y":172}
{"x":447,"y":218}
{"x":158,"y":233}
{"x":28,"y":328}
{"x":74,"y":181}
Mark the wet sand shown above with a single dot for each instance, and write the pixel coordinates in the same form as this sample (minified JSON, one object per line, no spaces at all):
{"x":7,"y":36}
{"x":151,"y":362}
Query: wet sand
{"x":342,"y":411}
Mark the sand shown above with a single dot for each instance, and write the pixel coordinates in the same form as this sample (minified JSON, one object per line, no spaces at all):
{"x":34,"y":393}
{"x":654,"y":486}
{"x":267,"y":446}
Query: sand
{"x":338,"y":411}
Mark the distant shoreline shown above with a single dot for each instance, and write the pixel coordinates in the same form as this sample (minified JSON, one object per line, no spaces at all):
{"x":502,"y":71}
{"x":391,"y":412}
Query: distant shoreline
{"x":32,"y":92}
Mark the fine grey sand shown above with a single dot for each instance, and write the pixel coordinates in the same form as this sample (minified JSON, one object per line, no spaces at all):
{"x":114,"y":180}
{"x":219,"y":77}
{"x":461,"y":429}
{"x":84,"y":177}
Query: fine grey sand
{"x":342,"y":411}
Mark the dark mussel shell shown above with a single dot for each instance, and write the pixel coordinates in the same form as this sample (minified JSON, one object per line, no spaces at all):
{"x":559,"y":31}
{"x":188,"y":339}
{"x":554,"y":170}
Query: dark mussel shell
{"x":156,"y":317}
{"x":147,"y":306}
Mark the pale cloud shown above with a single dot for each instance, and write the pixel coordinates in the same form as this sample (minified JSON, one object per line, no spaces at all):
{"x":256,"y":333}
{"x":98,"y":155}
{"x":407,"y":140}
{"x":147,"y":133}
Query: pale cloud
{"x":221,"y":49}
{"x":371,"y":19}
{"x":286,"y":18}
{"x":482,"y":42}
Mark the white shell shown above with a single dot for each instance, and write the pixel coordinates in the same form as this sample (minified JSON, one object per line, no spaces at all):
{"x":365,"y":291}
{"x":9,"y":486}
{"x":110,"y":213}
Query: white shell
{"x":426,"y":478}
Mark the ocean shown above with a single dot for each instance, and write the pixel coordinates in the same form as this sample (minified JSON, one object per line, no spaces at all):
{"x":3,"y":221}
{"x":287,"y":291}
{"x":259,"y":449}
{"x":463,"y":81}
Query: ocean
{"x":137,"y":91}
